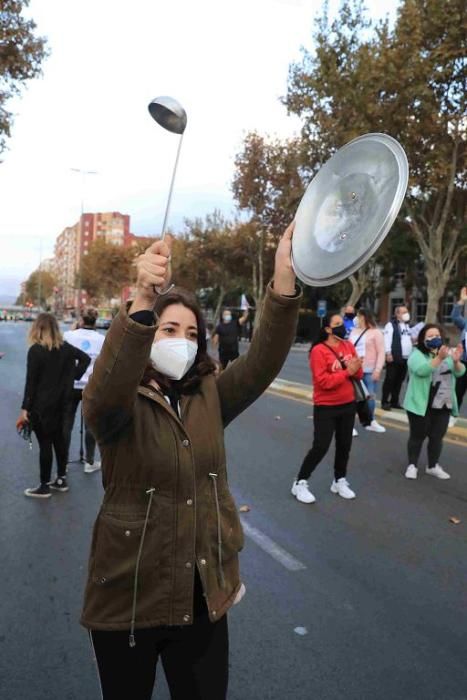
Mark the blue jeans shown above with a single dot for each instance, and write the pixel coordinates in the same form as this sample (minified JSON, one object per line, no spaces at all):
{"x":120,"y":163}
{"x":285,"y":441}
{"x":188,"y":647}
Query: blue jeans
{"x":371,"y":385}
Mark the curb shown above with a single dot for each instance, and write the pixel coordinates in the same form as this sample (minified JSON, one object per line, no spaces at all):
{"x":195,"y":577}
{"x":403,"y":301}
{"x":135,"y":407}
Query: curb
{"x":302,"y":392}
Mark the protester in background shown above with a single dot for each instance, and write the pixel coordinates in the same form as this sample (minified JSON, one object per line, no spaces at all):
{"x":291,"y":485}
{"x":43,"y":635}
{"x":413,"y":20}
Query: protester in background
{"x":348,"y":317}
{"x":369,"y":345}
{"x":459,"y":319}
{"x":88,"y":339}
{"x":398,"y":346}
{"x":164,"y":562}
{"x":226,"y":336}
{"x":431,"y":398}
{"x":333,"y":364}
{"x":52,"y":367}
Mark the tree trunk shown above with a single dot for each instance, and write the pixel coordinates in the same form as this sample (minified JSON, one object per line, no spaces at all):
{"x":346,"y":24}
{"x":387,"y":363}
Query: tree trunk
{"x":260,"y":290}
{"x":435,"y":290}
{"x":220,"y":299}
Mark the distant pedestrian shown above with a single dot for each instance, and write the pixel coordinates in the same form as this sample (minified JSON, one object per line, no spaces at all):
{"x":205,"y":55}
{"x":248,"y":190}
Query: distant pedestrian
{"x":397,"y":345}
{"x":226,"y":336}
{"x":333,"y":364}
{"x":369,"y":345}
{"x":348,"y":315}
{"x":431,"y":398}
{"x":52,"y":367}
{"x":459,"y":319}
{"x":86,"y":338}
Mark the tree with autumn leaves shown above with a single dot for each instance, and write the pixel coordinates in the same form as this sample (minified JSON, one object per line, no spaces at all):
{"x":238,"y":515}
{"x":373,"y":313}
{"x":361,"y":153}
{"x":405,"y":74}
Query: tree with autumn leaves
{"x":409,"y":81}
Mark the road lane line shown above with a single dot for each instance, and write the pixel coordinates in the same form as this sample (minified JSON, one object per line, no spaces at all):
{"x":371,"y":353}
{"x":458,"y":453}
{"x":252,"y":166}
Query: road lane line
{"x":272,"y":548}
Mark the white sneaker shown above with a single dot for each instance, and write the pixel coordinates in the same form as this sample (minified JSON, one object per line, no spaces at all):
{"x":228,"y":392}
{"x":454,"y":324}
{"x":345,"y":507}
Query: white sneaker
{"x":438,"y":472}
{"x":411,"y":472}
{"x":341,"y":487}
{"x":452,"y":422}
{"x":375,"y":427}
{"x":90,"y":468}
{"x":301,"y":491}
{"x":354,"y":433}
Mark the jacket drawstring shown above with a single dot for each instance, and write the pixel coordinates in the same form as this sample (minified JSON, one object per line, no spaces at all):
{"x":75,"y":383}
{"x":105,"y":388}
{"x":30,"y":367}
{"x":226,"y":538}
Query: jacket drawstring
{"x":131,"y":640}
{"x":219,"y":532}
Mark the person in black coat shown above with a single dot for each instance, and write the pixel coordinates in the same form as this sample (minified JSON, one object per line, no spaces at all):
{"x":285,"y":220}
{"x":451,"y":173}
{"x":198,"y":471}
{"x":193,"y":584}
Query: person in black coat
{"x":52,"y":367}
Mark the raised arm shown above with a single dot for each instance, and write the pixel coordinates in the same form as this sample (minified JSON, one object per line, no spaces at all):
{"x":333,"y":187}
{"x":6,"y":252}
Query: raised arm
{"x":110,"y":394}
{"x":246,"y":378}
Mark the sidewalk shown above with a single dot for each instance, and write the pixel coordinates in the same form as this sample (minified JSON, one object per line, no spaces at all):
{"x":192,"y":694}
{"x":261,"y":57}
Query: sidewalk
{"x":304,"y":393}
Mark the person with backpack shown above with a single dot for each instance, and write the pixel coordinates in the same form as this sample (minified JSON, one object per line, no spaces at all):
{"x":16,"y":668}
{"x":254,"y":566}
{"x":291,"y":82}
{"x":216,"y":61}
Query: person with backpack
{"x":52,"y":367}
{"x":334,"y":365}
{"x":86,"y":338}
{"x":369,"y":345}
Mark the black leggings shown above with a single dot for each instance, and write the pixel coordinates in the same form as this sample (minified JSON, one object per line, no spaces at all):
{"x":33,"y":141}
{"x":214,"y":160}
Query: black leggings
{"x":49,"y":441}
{"x":330,"y":420}
{"x":194,"y":659}
{"x":433,"y":425}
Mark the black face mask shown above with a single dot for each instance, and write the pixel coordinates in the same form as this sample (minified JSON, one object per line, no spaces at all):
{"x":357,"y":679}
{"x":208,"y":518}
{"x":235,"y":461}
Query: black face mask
{"x":350,"y":316}
{"x":339,"y":331}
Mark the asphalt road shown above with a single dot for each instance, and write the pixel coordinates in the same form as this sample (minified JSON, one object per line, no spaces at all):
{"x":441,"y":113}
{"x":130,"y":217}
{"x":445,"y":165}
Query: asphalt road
{"x":377,"y":586}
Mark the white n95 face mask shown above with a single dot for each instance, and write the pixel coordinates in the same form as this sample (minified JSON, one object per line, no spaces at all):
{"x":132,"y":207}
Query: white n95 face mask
{"x":173,"y":356}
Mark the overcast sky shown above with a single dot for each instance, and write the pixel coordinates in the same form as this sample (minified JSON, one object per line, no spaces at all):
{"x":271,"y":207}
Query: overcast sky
{"x":226,"y":62}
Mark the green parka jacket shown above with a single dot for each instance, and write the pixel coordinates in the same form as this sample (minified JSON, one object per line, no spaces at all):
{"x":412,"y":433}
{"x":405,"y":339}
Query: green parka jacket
{"x":167,"y":507}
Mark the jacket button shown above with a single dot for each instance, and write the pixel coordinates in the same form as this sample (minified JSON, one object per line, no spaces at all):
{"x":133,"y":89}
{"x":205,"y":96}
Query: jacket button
{"x":214,"y":613}
{"x":186,"y":618}
{"x":188,"y":565}
{"x":127,"y":533}
{"x":185,"y":443}
{"x":202,"y":562}
{"x":103,"y":579}
{"x":189,"y":502}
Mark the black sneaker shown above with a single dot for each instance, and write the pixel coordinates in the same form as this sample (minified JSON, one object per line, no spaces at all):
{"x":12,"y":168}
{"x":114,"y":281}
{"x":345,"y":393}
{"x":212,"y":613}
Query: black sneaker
{"x":59,"y":484}
{"x":386,"y":406}
{"x":42,"y":491}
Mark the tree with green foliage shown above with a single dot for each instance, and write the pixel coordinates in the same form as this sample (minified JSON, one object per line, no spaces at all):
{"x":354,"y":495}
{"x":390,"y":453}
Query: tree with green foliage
{"x":105,"y":270}
{"x":21,"y":56}
{"x":39,"y":287}
{"x":267,"y":187}
{"x":409,"y":81}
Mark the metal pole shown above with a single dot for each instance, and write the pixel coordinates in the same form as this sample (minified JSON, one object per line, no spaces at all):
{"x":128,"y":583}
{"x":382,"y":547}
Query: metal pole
{"x":169,"y":200}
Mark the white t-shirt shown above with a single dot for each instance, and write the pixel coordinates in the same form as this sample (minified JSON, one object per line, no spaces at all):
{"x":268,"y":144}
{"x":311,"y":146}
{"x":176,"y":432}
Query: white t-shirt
{"x":91,"y":343}
{"x":406,"y":338}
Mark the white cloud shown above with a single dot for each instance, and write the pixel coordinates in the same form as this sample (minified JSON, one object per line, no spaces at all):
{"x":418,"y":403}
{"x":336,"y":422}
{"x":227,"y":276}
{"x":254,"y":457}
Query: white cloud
{"x":226,"y":62}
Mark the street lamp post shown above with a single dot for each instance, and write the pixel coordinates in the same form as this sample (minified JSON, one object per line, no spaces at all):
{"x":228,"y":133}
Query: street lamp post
{"x":83,"y":179}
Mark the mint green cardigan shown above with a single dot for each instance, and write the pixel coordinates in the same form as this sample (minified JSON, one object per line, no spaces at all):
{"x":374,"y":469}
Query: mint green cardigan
{"x":420,"y":378}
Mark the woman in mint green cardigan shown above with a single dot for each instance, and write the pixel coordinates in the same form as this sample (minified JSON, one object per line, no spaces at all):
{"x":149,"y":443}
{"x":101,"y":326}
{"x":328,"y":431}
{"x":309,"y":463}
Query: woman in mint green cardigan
{"x":431,"y":398}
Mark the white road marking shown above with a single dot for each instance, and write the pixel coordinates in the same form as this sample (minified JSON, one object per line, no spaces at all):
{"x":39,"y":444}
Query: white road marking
{"x":272,"y":548}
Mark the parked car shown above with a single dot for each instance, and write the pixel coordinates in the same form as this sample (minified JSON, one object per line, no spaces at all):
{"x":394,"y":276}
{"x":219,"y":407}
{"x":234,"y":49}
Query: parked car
{"x":103,"y":323}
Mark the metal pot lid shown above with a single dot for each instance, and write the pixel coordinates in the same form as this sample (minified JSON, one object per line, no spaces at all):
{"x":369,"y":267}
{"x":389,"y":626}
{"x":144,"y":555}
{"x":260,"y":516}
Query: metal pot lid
{"x":348,"y":209}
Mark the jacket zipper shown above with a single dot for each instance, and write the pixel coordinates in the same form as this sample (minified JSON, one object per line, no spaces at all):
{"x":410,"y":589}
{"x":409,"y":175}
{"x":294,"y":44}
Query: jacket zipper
{"x":131,"y":638}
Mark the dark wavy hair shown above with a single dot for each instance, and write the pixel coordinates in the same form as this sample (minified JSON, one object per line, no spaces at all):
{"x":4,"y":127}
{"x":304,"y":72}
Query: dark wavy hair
{"x":421,"y":337}
{"x":203,"y":364}
{"x":322,"y":335}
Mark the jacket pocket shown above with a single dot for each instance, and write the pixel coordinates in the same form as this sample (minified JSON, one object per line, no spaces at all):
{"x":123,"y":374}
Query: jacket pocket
{"x":231,"y":529}
{"x":116,"y":550}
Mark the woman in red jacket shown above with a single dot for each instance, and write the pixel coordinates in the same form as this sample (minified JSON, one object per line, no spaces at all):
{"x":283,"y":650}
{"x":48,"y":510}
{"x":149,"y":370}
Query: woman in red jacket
{"x":333,"y":363}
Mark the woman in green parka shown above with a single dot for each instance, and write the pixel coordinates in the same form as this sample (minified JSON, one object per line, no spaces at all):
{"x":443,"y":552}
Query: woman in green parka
{"x":431,"y":398}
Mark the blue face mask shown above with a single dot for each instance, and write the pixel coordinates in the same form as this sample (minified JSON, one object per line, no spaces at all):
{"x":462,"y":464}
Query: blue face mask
{"x":434,"y":343}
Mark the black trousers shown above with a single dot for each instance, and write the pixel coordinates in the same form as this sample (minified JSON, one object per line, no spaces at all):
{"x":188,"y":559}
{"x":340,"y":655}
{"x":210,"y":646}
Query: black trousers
{"x":227,"y":356}
{"x":50,"y":441}
{"x":433,"y":425}
{"x":194,"y":659}
{"x":395,"y":375}
{"x":461,"y":386}
{"x":329,"y":421}
{"x":68,"y":422}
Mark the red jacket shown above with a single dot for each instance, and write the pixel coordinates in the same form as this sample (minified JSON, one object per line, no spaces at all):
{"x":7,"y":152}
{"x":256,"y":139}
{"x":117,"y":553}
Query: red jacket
{"x":331,"y":383}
